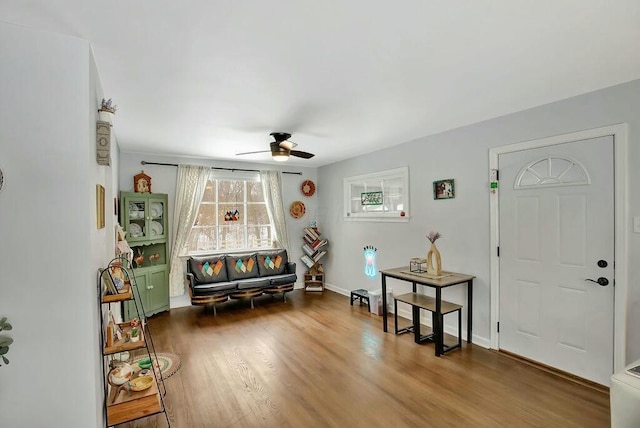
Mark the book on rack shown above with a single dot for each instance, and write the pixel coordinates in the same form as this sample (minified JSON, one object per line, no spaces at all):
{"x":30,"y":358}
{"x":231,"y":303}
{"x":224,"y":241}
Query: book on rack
{"x":319,"y":255}
{"x":308,"y":261}
{"x":307,"y":249}
{"x":319,"y":243}
{"x":312,"y":232}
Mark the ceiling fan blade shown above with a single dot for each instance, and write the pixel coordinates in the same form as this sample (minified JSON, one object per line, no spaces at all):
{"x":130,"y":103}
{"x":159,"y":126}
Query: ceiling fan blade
{"x":288,"y":144}
{"x":304,"y":155}
{"x":250,"y":153}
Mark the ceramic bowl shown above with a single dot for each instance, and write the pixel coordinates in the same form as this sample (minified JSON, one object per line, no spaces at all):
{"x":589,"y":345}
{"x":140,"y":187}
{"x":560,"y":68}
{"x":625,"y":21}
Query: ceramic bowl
{"x":145,"y":363}
{"x":120,"y":375}
{"x":141,"y":383}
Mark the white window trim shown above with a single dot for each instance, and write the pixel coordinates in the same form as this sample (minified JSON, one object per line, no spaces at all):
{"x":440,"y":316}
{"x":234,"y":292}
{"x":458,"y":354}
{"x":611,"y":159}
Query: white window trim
{"x":245,"y":176}
{"x":549,"y":180}
{"x":393,"y":216}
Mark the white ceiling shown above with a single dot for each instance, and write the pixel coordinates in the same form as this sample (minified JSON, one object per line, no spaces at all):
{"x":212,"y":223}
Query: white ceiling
{"x":211,"y":78}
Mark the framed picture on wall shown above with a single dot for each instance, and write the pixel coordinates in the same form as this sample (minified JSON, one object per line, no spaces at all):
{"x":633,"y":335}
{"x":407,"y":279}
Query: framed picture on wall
{"x":444,"y":189}
{"x":100,"y":206}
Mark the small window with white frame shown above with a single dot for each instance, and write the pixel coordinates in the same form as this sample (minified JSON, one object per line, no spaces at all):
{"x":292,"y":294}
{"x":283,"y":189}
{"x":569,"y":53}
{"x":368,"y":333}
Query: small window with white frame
{"x":377,"y":196}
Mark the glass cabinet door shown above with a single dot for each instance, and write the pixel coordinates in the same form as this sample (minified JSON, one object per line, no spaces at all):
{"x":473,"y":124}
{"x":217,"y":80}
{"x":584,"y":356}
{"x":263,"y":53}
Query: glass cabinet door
{"x":145,"y":217}
{"x":136,"y":211}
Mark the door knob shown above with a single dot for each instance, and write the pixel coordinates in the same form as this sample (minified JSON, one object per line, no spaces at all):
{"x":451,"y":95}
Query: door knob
{"x":600,"y":281}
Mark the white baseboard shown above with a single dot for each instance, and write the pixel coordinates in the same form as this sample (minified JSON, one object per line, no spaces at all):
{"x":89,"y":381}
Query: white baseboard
{"x":179,"y":301}
{"x":338,"y":290}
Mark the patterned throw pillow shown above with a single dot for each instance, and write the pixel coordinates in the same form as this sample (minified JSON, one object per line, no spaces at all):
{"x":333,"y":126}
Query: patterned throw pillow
{"x":208,"y":269}
{"x":272,"y":262}
{"x":242,"y":266}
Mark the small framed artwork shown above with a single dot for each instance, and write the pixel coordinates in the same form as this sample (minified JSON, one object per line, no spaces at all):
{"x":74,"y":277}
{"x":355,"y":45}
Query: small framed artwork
{"x":444,"y":189}
{"x":371,"y":198}
{"x":100,"y":206}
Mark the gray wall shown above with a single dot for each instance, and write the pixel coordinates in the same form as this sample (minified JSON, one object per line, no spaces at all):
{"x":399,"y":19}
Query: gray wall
{"x":163,"y":180}
{"x":52,"y":249}
{"x":462,"y":154}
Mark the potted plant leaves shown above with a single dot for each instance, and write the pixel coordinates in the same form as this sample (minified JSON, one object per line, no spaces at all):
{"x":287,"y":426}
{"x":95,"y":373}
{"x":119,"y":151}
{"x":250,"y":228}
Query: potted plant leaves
{"x":5,"y":341}
{"x":135,"y":329}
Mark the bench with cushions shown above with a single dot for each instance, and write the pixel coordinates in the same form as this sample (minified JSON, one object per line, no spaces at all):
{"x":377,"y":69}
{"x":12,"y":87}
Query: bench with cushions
{"x":215,"y":278}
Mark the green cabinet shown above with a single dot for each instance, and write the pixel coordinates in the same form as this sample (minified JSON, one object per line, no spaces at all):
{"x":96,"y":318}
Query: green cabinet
{"x":144,"y":219}
{"x":153,"y":286}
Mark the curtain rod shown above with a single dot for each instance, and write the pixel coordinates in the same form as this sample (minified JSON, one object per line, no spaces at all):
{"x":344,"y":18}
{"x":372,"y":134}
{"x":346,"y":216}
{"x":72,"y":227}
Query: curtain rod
{"x":215,"y":167}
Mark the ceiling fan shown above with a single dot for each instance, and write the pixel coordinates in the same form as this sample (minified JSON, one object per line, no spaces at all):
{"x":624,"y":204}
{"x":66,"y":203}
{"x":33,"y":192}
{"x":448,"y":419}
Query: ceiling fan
{"x":282,"y":148}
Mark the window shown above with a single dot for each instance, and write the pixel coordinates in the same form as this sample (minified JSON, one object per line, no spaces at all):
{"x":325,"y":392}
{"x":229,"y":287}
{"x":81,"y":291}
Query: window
{"x":232,"y":216}
{"x":379,"y":196}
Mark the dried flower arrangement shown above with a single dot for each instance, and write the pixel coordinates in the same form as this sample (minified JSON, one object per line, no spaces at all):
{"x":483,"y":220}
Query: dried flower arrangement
{"x":433,"y":236}
{"x":107,"y":106}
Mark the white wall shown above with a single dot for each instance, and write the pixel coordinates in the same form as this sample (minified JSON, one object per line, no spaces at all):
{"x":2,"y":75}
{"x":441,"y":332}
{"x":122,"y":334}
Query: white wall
{"x":51,"y":248}
{"x":462,"y":154}
{"x":163,"y":180}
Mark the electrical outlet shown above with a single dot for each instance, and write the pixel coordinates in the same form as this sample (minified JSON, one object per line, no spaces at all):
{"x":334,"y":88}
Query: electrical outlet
{"x":636,"y":224}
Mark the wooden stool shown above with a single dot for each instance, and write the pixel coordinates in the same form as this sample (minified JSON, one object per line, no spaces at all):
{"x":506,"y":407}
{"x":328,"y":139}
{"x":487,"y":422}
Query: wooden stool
{"x":361,"y":294}
{"x":420,"y":301}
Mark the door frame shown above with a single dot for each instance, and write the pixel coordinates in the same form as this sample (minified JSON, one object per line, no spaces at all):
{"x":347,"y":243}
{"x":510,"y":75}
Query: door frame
{"x":622,"y":228}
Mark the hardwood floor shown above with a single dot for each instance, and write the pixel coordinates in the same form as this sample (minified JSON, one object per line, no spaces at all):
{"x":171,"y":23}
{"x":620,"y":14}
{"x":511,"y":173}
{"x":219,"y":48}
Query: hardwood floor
{"x":316,"y":361}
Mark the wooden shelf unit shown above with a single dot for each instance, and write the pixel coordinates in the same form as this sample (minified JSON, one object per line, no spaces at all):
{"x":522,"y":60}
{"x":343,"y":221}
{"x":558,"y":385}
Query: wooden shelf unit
{"x":120,"y":404}
{"x":314,"y":248}
{"x":314,"y":282}
{"x":125,"y":406}
{"x":124,"y":294}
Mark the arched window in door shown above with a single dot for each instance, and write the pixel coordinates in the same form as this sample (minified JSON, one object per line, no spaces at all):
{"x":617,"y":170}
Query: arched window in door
{"x":551,"y":171}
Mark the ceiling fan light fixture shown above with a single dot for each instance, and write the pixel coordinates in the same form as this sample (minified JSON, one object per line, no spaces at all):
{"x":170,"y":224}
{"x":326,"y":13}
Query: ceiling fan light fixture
{"x":280,"y":156}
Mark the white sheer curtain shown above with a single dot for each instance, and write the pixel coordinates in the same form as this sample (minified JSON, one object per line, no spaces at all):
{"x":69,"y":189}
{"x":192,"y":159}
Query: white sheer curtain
{"x":272,"y":189}
{"x":190,"y":187}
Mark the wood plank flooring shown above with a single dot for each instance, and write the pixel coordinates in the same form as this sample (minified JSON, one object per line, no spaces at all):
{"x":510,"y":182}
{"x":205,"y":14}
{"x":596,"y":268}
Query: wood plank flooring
{"x":316,"y":361}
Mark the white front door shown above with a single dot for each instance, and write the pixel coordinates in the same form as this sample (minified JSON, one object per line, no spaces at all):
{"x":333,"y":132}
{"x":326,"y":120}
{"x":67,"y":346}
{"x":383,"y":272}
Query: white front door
{"x":556,"y":208}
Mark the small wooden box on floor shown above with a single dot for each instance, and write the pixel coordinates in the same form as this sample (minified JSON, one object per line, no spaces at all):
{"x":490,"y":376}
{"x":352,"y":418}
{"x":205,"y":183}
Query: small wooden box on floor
{"x":314,"y":282}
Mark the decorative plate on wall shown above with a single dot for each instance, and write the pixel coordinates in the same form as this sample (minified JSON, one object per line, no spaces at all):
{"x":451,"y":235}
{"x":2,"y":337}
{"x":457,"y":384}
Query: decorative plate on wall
{"x":297,"y":209}
{"x":308,"y":188}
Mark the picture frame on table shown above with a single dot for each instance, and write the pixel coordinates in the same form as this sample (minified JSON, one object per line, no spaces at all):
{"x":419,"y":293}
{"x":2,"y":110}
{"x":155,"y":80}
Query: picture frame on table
{"x":444,"y":189}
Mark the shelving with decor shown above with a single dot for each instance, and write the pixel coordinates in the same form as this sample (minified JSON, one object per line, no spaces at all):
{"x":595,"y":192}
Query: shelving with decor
{"x":144,"y":218}
{"x":314,"y":248}
{"x":126,"y":403}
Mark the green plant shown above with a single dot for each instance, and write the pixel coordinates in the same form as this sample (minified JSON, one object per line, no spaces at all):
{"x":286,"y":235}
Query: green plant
{"x":134,"y":332}
{"x":5,"y":341}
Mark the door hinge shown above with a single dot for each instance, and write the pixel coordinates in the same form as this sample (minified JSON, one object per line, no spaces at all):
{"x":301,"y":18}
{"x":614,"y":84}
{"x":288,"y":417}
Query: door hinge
{"x":497,"y":175}
{"x":498,"y":251}
{"x":498,"y":326}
